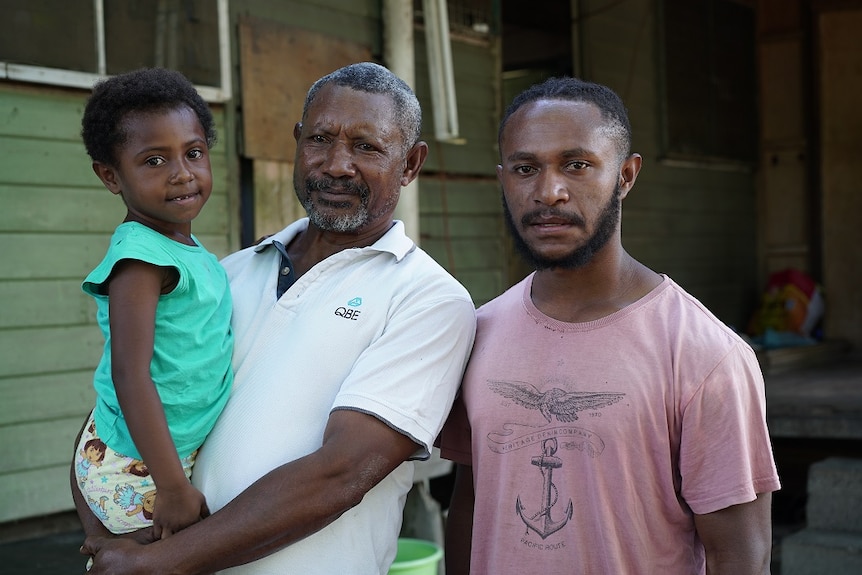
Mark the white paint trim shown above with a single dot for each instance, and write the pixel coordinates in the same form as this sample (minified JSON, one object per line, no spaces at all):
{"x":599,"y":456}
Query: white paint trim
{"x":398,"y":55}
{"x":99,"y":12}
{"x":85,"y":80}
{"x":54,"y":76}
{"x":226,"y":90}
{"x":441,"y":73}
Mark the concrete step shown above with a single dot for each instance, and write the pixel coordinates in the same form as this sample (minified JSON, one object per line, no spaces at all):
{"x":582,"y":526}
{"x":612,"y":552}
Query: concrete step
{"x":813,"y":552}
{"x":835,"y":495}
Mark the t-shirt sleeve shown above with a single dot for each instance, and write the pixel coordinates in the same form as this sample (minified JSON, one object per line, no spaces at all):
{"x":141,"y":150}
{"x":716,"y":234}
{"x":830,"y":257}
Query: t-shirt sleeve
{"x":455,"y":441}
{"x":131,"y":246}
{"x":409,"y":376}
{"x":725,"y":451}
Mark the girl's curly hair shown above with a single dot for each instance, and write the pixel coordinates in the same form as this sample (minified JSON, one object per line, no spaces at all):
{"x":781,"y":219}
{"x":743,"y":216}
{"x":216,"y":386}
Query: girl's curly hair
{"x":144,"y":90}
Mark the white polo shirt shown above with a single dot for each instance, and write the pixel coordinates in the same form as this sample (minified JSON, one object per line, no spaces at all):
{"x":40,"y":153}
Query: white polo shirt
{"x":381,"y":329}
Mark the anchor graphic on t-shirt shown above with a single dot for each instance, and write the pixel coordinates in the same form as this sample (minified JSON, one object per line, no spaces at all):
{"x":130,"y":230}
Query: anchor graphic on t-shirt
{"x":541,"y":522}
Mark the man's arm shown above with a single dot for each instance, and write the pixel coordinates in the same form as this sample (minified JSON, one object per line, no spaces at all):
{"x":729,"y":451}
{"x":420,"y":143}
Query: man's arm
{"x":459,"y":523}
{"x":282,"y":507}
{"x":738,"y":539}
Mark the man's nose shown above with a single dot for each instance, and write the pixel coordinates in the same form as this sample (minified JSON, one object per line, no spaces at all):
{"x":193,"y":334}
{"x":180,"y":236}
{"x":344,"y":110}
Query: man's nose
{"x":551,"y":188}
{"x":339,"y":161}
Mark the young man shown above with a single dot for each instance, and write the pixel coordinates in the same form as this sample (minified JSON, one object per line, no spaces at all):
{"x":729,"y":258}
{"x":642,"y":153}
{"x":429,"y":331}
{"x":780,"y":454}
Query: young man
{"x":608,"y":423}
{"x":350,"y":343}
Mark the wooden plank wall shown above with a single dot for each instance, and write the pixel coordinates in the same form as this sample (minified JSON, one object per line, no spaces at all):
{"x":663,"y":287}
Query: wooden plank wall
{"x":461,"y":222}
{"x":840,"y":82}
{"x":462,"y":228}
{"x":55,"y":223}
{"x":351,"y":20}
{"x":273,"y":97}
{"x":787,"y":230}
{"x":696,"y":224}
{"x":279,"y":34}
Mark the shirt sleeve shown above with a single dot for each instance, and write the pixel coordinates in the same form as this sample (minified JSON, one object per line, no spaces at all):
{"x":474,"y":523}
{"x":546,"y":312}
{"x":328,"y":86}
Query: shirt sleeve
{"x":409,"y":376}
{"x":725,"y":451}
{"x":132,"y":245}
{"x":455,"y":440}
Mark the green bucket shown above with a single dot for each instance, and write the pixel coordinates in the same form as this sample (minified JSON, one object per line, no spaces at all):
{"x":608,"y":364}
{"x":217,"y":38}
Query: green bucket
{"x":416,"y":557}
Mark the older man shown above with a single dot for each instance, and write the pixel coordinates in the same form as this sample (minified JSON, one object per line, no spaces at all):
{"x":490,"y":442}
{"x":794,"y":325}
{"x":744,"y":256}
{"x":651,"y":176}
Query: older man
{"x":350,"y":344}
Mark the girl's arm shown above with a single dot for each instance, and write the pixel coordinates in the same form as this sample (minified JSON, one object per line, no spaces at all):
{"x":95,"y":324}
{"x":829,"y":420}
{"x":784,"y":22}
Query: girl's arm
{"x":134,"y":289}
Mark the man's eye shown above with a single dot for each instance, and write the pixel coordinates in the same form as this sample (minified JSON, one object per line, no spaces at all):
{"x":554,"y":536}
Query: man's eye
{"x":196,"y":154}
{"x":523,"y":170}
{"x":317,"y":139}
{"x":578,"y":165}
{"x":155,"y":161}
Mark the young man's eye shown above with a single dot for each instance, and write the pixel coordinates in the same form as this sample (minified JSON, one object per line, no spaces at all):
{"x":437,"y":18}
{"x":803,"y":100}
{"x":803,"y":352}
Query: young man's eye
{"x":578,"y":165}
{"x":523,"y":170}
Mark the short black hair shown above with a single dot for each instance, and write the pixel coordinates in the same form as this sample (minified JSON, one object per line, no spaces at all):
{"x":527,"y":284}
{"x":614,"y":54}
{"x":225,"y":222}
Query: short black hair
{"x":610,"y":105}
{"x":144,"y":90}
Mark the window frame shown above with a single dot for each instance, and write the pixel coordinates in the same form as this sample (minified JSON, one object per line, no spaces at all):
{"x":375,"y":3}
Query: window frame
{"x":86,"y":80}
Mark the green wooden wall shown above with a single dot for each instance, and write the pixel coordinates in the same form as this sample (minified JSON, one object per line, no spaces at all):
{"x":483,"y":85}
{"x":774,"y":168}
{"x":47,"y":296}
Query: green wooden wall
{"x":462,"y":228}
{"x":461,"y":223}
{"x":354,"y":20}
{"x":55,"y":223}
{"x":696,"y":224}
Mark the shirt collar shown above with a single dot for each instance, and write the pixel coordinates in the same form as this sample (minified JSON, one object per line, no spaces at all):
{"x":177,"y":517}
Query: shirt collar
{"x":394,"y":241}
{"x":285,"y":236}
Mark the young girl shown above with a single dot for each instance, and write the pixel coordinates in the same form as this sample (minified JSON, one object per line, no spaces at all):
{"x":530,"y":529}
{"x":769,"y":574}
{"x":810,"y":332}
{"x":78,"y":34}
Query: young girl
{"x":163,"y":305}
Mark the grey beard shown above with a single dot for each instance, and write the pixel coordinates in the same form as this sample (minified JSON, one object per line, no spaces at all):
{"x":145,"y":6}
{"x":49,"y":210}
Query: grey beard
{"x":333,"y":223}
{"x":341,"y":223}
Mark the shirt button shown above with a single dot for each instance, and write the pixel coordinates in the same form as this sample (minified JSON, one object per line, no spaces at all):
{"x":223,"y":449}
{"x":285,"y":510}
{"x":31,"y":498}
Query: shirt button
{"x":285,"y":271}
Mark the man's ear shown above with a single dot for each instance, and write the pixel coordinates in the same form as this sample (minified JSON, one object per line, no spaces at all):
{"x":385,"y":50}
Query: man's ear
{"x":629,"y":171}
{"x":109,"y":177}
{"x":297,"y":130}
{"x":415,"y":160}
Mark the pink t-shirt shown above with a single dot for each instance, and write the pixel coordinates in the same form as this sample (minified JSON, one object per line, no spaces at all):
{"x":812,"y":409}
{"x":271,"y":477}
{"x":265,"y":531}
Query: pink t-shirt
{"x":593,"y":443}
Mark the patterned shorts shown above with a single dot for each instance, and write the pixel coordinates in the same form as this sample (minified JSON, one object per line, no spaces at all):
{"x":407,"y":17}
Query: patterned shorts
{"x":118,"y":488}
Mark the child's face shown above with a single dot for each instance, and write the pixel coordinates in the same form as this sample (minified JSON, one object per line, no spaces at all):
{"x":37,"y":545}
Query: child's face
{"x":163,"y":169}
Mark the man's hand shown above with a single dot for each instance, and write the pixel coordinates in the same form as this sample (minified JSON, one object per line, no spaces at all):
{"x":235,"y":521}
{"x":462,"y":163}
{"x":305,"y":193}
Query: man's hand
{"x":117,"y":556}
{"x":177,"y":508}
{"x":358,"y":451}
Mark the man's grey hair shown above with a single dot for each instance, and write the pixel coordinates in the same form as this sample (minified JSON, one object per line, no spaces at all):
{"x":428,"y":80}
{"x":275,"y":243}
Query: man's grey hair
{"x":376,"y":79}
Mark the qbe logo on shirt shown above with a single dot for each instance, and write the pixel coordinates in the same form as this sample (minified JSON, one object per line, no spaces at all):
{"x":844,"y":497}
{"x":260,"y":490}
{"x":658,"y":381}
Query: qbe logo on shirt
{"x":352,"y":310}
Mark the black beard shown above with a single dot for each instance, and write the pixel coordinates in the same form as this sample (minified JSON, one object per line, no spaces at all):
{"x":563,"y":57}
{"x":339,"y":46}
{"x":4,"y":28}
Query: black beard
{"x":608,"y":222}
